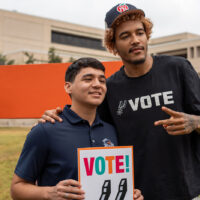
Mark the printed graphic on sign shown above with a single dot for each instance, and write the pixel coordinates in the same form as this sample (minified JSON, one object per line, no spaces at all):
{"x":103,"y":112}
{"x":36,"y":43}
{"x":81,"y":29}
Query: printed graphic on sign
{"x":106,"y":173}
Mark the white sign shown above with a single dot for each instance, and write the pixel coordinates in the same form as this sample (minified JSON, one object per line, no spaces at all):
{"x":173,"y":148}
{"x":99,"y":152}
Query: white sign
{"x":106,"y":173}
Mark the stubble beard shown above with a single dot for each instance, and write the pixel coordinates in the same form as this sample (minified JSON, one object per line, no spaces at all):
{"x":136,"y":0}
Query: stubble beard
{"x":136,"y":62}
{"x":142,"y":60}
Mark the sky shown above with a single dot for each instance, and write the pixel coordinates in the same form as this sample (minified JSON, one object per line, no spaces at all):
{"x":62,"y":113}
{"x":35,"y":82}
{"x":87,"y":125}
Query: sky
{"x":168,"y":16}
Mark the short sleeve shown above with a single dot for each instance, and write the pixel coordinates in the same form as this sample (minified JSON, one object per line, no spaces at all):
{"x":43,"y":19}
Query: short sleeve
{"x":191,"y":88}
{"x":33,"y":156}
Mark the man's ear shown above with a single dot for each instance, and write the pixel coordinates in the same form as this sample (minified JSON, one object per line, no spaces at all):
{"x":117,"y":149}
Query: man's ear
{"x":115,"y":50}
{"x":68,"y":87}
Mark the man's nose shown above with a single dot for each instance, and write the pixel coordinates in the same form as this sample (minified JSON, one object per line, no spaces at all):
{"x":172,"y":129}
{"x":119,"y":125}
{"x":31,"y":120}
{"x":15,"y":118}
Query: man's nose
{"x":134,"y":39}
{"x":96,"y":83}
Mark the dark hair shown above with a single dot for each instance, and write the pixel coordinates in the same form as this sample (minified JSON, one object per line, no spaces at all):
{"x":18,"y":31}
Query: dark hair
{"x":109,"y":37}
{"x":77,"y":65}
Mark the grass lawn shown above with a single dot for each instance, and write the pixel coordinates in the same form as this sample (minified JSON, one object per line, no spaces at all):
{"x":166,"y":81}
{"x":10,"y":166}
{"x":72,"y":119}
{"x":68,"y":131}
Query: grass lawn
{"x":11,"y":143}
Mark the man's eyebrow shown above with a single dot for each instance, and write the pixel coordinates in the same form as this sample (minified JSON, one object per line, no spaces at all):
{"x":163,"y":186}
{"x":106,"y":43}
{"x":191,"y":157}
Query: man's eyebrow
{"x":102,"y":76}
{"x":127,"y":32}
{"x":87,"y":75}
{"x":90,"y":75}
{"x":140,"y":29}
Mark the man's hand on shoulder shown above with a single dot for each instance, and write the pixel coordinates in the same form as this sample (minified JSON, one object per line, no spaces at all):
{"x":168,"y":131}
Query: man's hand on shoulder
{"x":51,"y":116}
{"x":179,"y":123}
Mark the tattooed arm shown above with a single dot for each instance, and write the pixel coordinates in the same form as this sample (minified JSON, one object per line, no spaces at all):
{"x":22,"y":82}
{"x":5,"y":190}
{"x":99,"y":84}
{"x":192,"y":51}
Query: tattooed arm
{"x":179,"y":123}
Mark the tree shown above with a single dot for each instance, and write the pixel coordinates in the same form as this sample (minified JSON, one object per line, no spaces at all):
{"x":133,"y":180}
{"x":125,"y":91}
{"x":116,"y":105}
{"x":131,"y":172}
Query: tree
{"x":71,"y":59}
{"x":5,"y":61}
{"x":52,"y":57}
{"x":30,"y":59}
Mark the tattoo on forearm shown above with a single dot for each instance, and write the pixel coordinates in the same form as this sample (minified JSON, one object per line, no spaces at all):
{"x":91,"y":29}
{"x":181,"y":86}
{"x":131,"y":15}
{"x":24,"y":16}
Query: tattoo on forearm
{"x":190,"y":123}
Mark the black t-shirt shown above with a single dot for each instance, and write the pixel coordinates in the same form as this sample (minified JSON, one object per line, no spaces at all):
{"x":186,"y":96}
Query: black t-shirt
{"x":166,"y":167}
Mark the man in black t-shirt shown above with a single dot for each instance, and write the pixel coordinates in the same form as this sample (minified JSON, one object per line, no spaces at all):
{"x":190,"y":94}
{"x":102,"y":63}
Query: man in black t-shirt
{"x":154,"y":103}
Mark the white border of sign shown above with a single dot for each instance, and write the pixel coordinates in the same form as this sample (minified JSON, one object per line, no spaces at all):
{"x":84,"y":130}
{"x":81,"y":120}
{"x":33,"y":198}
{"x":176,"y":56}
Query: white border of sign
{"x":106,"y":173}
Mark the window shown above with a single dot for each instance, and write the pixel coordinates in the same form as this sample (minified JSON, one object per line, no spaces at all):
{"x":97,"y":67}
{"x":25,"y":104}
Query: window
{"x":192,"y":52}
{"x":76,"y":40}
{"x":198,"y":51}
{"x":177,"y":52}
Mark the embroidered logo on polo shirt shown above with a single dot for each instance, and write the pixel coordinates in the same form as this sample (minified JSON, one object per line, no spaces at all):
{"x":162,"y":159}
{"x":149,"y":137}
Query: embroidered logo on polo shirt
{"x":107,"y":142}
{"x":122,"y":8}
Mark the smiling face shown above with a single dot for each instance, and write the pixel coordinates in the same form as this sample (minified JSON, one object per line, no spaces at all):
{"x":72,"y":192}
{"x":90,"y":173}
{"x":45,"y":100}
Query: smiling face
{"x":88,"y":87}
{"x":131,"y":42}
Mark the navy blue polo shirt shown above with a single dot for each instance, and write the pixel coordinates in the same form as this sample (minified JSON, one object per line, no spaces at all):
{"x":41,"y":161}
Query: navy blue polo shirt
{"x":49,"y":154}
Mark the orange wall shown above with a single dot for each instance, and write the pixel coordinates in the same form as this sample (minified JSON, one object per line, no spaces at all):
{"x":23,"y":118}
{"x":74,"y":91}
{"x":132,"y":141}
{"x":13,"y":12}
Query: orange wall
{"x":28,"y":90}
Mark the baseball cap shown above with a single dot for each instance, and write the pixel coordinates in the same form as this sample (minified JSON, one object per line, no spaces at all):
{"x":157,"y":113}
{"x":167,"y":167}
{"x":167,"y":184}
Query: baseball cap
{"x":119,"y":10}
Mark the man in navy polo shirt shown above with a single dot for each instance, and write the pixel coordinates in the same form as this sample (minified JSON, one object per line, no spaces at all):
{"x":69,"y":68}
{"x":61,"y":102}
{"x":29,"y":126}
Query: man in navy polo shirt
{"x":49,"y":155}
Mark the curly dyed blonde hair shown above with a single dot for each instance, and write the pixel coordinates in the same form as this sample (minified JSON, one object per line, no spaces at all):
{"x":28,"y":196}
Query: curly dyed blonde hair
{"x":109,"y":37}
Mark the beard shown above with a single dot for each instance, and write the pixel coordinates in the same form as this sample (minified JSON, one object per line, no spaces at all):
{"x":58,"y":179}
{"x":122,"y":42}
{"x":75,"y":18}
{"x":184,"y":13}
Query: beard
{"x":138,"y":62}
{"x":135,"y":62}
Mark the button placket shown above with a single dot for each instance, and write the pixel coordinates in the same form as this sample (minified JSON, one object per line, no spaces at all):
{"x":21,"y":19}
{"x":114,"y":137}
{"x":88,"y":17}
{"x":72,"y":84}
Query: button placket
{"x":93,"y":141}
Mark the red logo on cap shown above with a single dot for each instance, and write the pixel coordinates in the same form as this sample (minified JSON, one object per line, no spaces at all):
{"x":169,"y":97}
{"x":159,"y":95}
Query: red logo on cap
{"x":122,"y":8}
